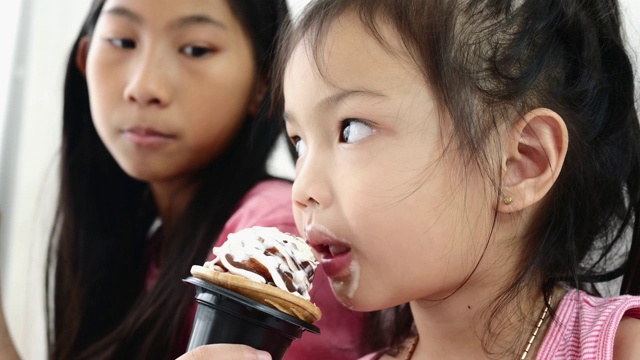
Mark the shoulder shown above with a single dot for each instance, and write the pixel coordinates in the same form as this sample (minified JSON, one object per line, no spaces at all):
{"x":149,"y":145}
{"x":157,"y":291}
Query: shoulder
{"x":586,"y":325}
{"x":272,"y":191}
{"x":267,"y":204}
{"x":627,"y":340}
{"x":579,"y":303}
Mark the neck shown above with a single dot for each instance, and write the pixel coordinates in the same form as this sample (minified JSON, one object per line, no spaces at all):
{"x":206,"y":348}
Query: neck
{"x":465,"y":326}
{"x":171,"y":199}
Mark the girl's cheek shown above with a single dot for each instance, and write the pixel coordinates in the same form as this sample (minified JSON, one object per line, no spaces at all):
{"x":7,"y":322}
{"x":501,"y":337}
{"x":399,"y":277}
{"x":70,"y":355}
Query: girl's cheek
{"x":345,"y":287}
{"x":298,"y":219}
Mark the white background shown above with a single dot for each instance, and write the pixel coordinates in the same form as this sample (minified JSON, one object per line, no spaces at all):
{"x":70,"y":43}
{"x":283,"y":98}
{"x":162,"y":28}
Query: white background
{"x":35,"y":37}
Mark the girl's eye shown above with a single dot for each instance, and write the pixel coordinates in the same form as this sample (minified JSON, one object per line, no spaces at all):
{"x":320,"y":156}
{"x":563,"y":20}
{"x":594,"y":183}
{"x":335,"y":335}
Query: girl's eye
{"x":196,"y":51}
{"x":354,"y":131}
{"x":301,"y":147}
{"x":122,"y":43}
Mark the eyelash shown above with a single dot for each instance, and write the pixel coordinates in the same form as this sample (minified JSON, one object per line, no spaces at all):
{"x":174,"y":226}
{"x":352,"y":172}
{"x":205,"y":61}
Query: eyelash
{"x":296,"y":140}
{"x":203,"y":49}
{"x":120,"y":43}
{"x":196,"y":51}
{"x":346,"y":122}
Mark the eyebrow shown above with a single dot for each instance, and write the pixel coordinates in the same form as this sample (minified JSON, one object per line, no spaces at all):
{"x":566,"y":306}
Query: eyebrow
{"x":333,"y":100}
{"x":124,"y":12}
{"x":200,"y":19}
{"x":182,"y":22}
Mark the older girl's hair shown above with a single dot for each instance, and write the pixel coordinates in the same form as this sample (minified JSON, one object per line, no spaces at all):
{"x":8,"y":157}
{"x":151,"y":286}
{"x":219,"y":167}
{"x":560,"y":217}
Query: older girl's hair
{"x":488,"y":60}
{"x":98,"y":256}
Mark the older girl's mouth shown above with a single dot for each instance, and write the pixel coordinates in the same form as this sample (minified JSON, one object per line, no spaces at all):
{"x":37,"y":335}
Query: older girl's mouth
{"x":147,"y":137}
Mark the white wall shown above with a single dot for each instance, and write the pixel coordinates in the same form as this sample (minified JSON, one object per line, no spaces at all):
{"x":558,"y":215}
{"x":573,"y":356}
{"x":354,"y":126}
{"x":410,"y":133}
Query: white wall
{"x":631,"y":14}
{"x":34,"y":109}
{"x":9,"y":15}
{"x":27,"y":190}
{"x":27,"y":180}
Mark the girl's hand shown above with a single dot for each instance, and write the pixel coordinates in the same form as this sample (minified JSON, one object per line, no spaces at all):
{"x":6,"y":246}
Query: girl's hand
{"x":7,"y":349}
{"x":225,"y":351}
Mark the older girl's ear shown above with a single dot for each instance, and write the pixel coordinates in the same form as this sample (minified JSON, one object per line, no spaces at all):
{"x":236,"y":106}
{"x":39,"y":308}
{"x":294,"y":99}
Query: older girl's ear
{"x":81,"y":55}
{"x":534,"y":148}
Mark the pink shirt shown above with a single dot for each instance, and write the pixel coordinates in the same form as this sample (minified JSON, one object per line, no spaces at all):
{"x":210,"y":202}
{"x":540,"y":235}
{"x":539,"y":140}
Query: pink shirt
{"x":269,"y":204}
{"x":585,"y":326}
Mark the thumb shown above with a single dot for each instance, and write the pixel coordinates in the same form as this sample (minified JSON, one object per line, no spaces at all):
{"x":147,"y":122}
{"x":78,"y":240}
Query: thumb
{"x":225,"y":351}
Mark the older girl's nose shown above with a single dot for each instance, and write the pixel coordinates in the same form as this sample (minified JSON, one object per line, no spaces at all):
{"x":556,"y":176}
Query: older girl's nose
{"x":149,"y":83}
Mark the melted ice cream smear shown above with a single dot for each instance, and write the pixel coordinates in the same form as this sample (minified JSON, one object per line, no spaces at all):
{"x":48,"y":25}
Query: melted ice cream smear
{"x":345,"y":287}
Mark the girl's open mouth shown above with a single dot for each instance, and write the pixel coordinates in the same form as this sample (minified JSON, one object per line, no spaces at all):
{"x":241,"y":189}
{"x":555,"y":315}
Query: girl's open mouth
{"x":334,"y":255}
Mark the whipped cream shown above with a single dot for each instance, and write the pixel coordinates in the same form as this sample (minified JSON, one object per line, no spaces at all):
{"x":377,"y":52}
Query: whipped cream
{"x":268,"y":256}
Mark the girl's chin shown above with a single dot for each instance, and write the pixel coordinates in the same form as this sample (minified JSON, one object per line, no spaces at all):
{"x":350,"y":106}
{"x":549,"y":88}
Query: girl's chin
{"x":345,"y":287}
{"x":359,"y":302}
{"x":343,"y":300}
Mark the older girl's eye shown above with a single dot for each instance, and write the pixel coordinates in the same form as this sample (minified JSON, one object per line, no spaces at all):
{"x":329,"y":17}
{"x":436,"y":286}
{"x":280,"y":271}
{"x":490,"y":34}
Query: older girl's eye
{"x":354,"y":130}
{"x":122,"y":43}
{"x":196,"y":51}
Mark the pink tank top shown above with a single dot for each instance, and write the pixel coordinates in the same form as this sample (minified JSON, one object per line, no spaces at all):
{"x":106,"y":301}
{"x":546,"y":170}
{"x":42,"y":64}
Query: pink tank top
{"x":585,"y":326}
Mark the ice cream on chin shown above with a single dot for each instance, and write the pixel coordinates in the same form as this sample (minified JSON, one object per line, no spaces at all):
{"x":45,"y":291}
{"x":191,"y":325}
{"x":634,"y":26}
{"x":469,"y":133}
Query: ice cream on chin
{"x":345,"y":287}
{"x":269,"y":266}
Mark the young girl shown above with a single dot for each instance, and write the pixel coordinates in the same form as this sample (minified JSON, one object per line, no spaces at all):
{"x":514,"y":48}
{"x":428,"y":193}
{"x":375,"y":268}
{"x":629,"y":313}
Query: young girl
{"x":162,"y":120}
{"x":478,"y":160}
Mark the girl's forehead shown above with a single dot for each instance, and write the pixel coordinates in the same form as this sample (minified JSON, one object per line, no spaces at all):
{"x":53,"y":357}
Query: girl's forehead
{"x":344,"y":48}
{"x":174,"y":13}
{"x":321,"y":75}
{"x":349,"y":29}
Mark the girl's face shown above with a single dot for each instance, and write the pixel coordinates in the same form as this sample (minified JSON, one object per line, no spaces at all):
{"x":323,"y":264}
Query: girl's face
{"x":380,"y":193}
{"x":170,"y":83}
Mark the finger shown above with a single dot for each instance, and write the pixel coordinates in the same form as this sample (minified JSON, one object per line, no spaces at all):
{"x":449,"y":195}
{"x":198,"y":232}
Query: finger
{"x":225,"y":351}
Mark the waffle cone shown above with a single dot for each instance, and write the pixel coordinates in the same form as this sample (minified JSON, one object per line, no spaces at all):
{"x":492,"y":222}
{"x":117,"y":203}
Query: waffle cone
{"x":263,"y":293}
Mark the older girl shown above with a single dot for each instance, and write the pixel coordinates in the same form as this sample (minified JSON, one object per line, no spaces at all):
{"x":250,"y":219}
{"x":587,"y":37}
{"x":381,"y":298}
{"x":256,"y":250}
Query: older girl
{"x":165,"y":141}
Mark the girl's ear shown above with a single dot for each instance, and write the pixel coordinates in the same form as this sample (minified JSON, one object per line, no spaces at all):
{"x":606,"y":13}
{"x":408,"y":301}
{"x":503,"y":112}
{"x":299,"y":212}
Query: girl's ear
{"x":257,"y":98}
{"x":534,"y":150}
{"x":81,"y":55}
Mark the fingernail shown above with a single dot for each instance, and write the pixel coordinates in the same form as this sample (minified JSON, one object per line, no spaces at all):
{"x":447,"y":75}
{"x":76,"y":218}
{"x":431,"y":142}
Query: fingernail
{"x":263,"y":355}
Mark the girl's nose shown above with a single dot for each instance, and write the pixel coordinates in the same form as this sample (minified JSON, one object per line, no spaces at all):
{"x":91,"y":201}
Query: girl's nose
{"x":149,"y":82}
{"x":311,"y":189}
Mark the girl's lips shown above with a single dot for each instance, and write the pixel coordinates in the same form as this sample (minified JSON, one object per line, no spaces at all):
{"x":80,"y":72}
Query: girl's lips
{"x":147,"y":136}
{"x":334,"y":255}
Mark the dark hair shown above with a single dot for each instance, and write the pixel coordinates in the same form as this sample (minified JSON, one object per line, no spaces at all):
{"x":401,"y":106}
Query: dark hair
{"x":487,"y":60}
{"x":97,"y":305}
